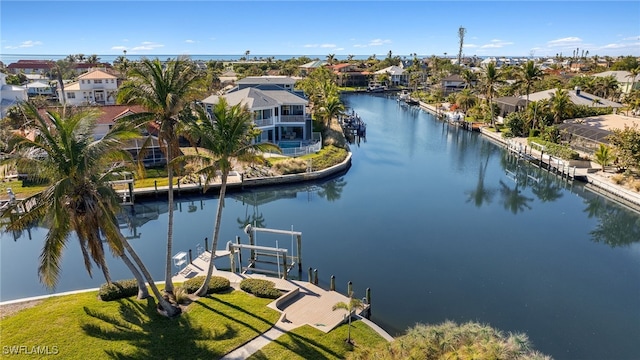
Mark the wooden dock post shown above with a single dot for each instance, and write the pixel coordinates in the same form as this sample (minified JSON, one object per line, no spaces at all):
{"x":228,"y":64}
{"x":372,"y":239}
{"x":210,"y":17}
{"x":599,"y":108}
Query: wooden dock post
{"x":206,"y":244}
{"x":311,"y":275}
{"x":315,"y":277}
{"x":349,"y":288}
{"x":190,"y":258}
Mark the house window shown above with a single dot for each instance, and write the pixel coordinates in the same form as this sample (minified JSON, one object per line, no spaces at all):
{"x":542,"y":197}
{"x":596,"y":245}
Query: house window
{"x":97,"y":81}
{"x":71,"y":95}
{"x":83,"y":81}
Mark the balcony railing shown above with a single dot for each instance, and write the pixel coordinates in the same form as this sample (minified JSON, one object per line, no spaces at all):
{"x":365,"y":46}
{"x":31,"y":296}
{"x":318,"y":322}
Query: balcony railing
{"x":263,"y":122}
{"x":292,"y":118}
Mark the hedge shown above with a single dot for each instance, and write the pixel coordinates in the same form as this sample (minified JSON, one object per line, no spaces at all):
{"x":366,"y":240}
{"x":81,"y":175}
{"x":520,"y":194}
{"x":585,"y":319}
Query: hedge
{"x":260,"y":288}
{"x":216,"y":284}
{"x":118,"y":290}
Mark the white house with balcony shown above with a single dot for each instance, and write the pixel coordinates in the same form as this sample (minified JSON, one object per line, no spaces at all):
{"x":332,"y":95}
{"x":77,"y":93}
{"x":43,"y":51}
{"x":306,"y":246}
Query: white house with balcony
{"x":397,"y":75}
{"x":279,"y":114}
{"x":95,"y":87}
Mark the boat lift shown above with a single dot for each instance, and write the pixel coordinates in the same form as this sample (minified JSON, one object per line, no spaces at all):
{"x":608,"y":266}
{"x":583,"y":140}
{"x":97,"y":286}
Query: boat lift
{"x":284,"y":261}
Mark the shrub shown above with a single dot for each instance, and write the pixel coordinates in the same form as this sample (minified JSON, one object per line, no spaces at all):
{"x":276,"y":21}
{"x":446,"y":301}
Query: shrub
{"x":618,"y":178}
{"x":181,"y":295}
{"x":216,"y":284}
{"x":291,"y":166}
{"x":557,"y":150}
{"x":636,"y":185}
{"x":260,"y":288}
{"x":118,"y":290}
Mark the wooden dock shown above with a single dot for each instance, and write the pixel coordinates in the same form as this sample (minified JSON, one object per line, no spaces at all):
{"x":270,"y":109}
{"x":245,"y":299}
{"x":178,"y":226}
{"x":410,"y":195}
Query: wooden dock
{"x":302,"y":304}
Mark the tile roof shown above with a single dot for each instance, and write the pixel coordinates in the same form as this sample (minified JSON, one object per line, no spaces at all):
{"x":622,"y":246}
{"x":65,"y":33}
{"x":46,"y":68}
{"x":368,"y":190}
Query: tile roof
{"x":97,"y":74}
{"x":108,"y":113}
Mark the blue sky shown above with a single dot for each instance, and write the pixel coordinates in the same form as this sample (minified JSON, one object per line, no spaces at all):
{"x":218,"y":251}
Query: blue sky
{"x":493,"y":28}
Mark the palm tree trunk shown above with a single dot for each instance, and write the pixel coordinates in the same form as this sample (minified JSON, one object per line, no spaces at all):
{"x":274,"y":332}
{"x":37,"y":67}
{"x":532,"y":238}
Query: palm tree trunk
{"x":202,"y":291}
{"x":105,"y":271}
{"x":170,"y":309}
{"x":143,"y":292}
{"x":168,"y":287}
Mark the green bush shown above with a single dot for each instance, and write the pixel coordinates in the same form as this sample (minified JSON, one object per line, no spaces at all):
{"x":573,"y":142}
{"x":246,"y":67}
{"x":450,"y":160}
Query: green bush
{"x":118,"y":290}
{"x":557,"y":150}
{"x":216,"y":284}
{"x":260,"y":288}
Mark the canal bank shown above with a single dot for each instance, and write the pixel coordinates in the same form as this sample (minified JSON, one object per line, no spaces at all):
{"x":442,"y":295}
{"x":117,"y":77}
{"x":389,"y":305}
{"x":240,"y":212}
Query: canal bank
{"x":596,"y":180}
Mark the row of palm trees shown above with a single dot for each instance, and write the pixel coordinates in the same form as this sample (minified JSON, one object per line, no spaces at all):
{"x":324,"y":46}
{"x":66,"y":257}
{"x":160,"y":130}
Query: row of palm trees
{"x":80,"y":199}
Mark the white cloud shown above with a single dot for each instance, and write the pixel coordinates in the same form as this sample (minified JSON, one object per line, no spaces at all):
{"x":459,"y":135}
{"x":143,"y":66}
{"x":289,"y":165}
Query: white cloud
{"x":359,"y":46}
{"x":328,"y":45}
{"x":118,"y":47}
{"x":469,"y":46}
{"x":379,"y":42}
{"x":147,"y":45}
{"x":614,"y":46}
{"x":29,"y":43}
{"x":568,"y":41}
{"x":189,"y":41}
{"x":311,"y":45}
{"x":496,"y":44}
{"x":632,"y":38}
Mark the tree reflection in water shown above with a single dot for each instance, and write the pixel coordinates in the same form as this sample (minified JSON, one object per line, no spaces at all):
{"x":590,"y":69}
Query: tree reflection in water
{"x":617,"y":225}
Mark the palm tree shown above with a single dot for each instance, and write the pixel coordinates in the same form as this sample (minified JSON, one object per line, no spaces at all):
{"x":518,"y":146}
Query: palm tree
{"x":559,"y":105}
{"x":529,"y":73}
{"x":164,"y":90}
{"x":331,"y":108}
{"x":331,"y":58}
{"x":351,"y":306}
{"x":465,"y":100}
{"x":604,"y":156}
{"x":491,"y":77}
{"x":79,"y":198}
{"x":229,"y":135}
{"x":469,"y":77}
{"x":633,"y":74}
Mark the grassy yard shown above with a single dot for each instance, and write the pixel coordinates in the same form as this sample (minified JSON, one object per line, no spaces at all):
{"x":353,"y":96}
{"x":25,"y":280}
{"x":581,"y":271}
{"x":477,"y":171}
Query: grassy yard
{"x":18,"y":189}
{"x":82,"y":327}
{"x":308,"y":343}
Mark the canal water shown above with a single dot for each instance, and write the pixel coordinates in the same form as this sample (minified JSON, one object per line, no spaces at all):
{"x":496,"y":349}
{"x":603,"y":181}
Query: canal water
{"x":440,"y":223}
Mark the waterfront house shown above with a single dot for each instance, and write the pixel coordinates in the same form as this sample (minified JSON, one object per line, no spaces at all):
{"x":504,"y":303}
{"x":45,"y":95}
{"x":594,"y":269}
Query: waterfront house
{"x":279,"y":111}
{"x":10,"y":95}
{"x":397,"y":75}
{"x":96,"y":87}
{"x":452,"y":83}
{"x":349,"y":75}
{"x":108,"y":115}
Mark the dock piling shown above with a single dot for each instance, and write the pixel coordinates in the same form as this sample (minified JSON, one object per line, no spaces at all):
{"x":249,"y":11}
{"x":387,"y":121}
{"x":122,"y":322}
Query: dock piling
{"x":332,"y":286}
{"x":315,"y":277}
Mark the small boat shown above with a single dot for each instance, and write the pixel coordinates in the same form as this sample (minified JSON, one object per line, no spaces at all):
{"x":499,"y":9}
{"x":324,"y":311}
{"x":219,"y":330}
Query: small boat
{"x":404,"y":95}
{"x":376,"y":87}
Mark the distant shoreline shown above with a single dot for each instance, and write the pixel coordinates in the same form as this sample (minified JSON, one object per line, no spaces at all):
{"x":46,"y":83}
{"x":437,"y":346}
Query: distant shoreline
{"x":11,"y":58}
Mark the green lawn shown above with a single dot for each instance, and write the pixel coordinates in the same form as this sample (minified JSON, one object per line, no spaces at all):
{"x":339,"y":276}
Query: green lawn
{"x":307,"y":342}
{"x":82,"y":327}
{"x":18,"y":189}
